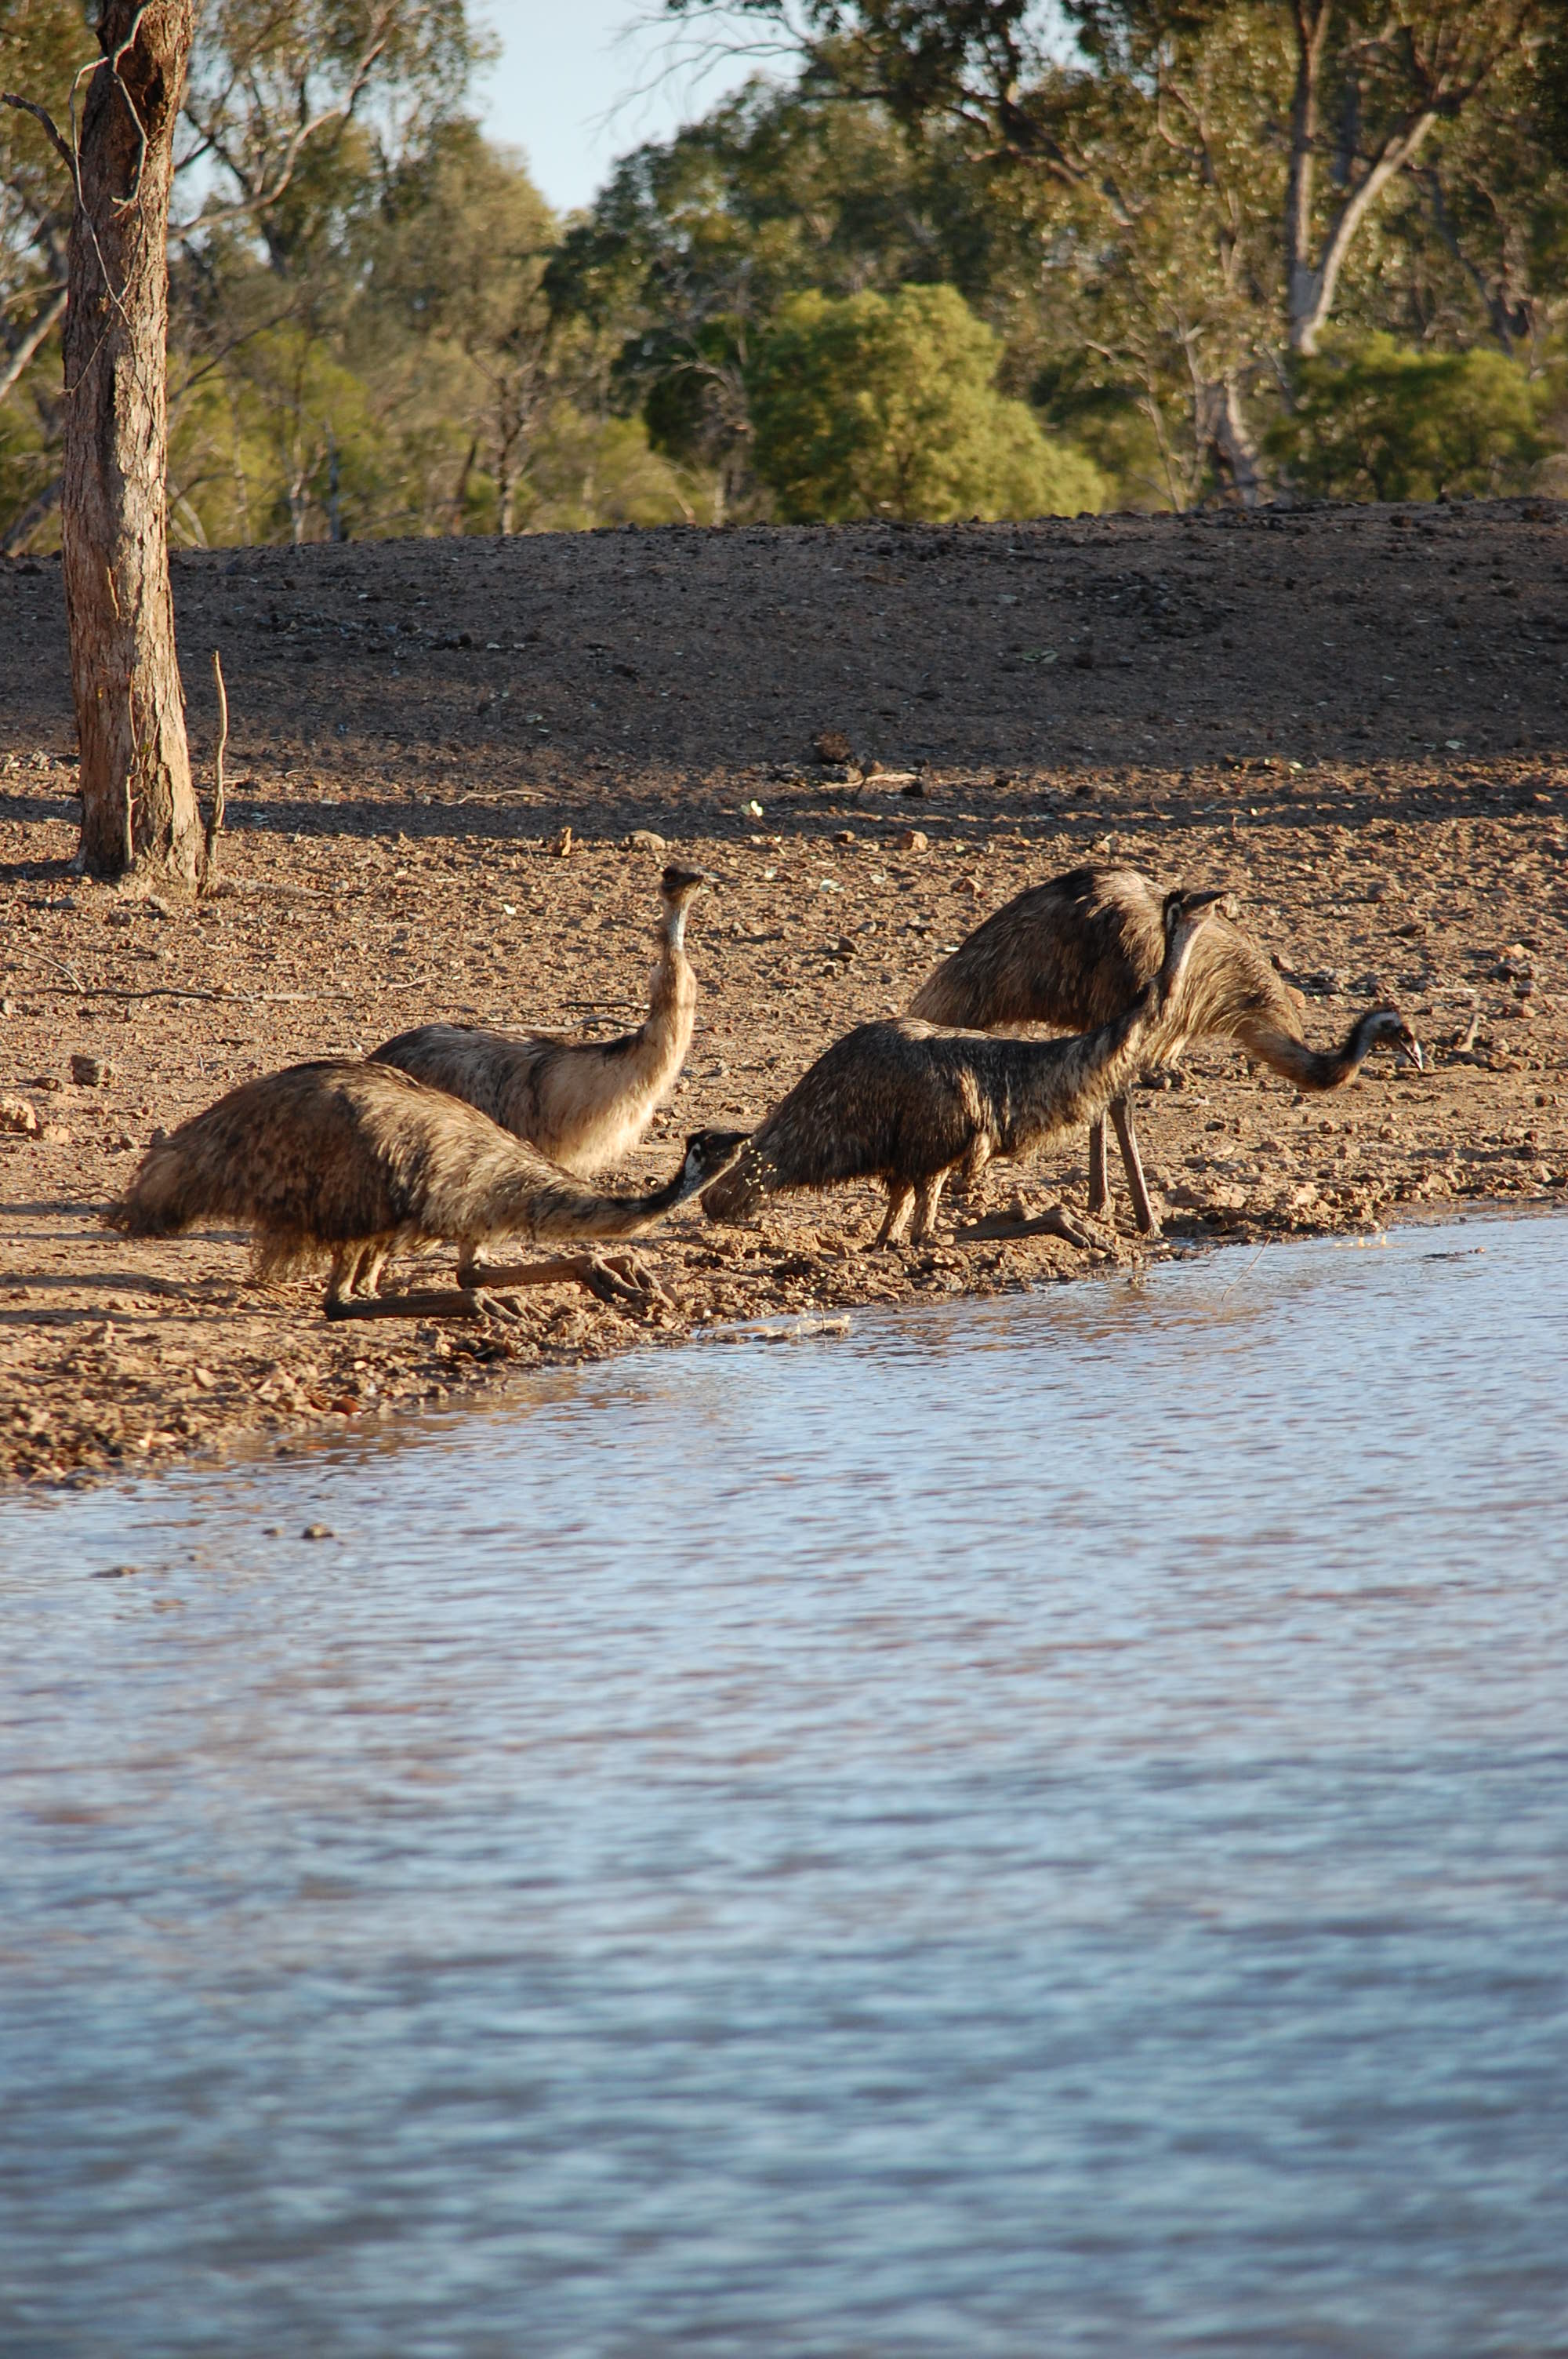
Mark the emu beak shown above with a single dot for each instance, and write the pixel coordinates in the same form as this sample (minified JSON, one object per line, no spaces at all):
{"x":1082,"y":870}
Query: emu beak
{"x":1411,"y":1050}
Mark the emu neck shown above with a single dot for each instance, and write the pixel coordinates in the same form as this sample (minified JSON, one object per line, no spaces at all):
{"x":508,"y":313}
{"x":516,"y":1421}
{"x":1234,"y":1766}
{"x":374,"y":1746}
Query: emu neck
{"x":1058,"y":1083}
{"x":672,"y":994}
{"x":564,"y":1212}
{"x":1309,"y":1068}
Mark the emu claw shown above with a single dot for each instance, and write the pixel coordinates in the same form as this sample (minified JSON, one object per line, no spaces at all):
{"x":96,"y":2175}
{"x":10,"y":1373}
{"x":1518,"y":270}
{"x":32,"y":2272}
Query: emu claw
{"x":499,"y":1307}
{"x":623,"y":1279}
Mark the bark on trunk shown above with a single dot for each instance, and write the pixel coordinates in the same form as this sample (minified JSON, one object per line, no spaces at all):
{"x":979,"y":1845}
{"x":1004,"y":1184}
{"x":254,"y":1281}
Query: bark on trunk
{"x":138,"y":807}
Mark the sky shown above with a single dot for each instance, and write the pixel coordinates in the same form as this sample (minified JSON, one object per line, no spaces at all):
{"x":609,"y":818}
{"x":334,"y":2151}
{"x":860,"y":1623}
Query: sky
{"x":580,"y":81}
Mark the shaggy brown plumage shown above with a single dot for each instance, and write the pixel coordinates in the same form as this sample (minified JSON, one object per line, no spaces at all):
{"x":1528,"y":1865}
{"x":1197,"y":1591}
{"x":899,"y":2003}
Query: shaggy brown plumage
{"x":359,"y":1161}
{"x":906,"y":1104}
{"x":1070,"y":952}
{"x":585,"y":1103}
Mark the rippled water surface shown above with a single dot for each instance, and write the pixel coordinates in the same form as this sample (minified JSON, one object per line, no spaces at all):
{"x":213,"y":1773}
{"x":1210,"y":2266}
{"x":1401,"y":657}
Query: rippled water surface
{"x":1034,"y":1828}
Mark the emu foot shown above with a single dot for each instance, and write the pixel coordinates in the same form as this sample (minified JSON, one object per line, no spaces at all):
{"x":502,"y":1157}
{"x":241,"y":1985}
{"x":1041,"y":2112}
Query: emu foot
{"x":619,"y":1278}
{"x":622,"y":1278}
{"x":1074,"y":1228}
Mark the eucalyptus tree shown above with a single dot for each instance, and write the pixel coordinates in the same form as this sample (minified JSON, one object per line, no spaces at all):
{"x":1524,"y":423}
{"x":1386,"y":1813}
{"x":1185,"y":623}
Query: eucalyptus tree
{"x":270,"y":80}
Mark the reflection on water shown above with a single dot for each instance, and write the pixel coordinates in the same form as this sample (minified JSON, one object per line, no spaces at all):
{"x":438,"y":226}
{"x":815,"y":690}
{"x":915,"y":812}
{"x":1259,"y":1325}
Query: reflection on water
{"x":1039,"y":1827}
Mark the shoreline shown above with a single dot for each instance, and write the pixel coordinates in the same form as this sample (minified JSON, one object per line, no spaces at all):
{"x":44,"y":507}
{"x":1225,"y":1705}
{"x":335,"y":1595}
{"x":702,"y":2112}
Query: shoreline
{"x":492,"y":1379}
{"x":1389,"y":807}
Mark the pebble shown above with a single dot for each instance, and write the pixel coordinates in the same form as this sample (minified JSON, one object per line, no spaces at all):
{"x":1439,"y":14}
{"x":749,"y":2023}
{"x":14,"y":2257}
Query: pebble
{"x":90,"y":1072}
{"x":913,"y":839}
{"x":642,"y":839}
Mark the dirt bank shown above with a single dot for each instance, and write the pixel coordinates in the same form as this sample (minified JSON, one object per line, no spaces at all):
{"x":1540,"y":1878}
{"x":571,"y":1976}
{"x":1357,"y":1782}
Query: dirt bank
{"x":1356,"y":720}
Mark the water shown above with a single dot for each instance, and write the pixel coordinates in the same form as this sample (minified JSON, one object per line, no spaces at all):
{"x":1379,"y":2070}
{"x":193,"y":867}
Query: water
{"x":1039,"y":1827}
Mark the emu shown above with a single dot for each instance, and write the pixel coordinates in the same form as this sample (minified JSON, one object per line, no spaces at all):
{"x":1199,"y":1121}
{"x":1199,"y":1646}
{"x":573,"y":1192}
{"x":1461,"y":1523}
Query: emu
{"x":585,"y":1103}
{"x":1072,"y":951}
{"x":359,"y":1161}
{"x":907,"y":1104}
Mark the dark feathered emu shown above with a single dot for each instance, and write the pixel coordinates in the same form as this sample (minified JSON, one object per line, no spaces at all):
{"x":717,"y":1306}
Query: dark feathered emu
{"x":357,"y":1161}
{"x":906,"y":1104}
{"x":1071,"y":953}
{"x":585,"y":1103}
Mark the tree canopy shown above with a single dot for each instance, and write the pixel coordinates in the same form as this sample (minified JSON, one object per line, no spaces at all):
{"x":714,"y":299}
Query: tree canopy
{"x":885,"y":405}
{"x":1191,"y":247}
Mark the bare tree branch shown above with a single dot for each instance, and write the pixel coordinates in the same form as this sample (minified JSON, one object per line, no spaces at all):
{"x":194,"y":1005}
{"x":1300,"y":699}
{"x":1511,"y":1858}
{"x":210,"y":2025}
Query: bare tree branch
{"x":36,"y":335}
{"x":62,"y":145}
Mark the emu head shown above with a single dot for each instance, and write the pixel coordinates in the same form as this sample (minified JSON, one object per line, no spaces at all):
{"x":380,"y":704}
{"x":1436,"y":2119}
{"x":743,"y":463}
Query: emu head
{"x":711,"y":1152}
{"x":1183,"y":915}
{"x":678,"y":888}
{"x":1387,"y":1025}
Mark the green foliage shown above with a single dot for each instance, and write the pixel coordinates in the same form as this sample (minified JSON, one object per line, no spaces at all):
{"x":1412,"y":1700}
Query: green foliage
{"x":886,"y":404}
{"x":1374,"y":420}
{"x":993,"y":257}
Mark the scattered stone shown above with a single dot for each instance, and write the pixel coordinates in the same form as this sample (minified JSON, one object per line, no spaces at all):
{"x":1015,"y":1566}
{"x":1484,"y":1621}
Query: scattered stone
{"x":318,"y":1532}
{"x":18,"y":1118}
{"x":913,"y":839}
{"x":642,"y":839}
{"x":562,"y":846}
{"x":831,"y":745}
{"x":90,"y":1072}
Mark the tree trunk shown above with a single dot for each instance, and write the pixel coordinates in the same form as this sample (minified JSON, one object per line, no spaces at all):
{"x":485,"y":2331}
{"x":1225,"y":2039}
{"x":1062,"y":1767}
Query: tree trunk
{"x":1223,"y":428}
{"x":138,"y":807}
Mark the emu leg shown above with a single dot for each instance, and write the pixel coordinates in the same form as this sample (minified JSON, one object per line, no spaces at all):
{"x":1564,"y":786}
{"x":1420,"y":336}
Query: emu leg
{"x":1099,"y":1170}
{"x":899,"y":1198}
{"x":426,"y":1302}
{"x":969,"y":1175}
{"x":928,"y":1196}
{"x":1143,"y":1211}
{"x":619,"y":1277}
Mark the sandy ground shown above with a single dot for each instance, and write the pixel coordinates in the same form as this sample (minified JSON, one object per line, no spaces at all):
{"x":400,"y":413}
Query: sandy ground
{"x":1356,"y":719}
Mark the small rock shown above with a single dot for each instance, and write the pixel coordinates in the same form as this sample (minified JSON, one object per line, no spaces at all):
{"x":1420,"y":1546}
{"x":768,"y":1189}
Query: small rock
{"x":562,"y":845}
{"x":913,"y":839}
{"x":90,"y":1072}
{"x":832,"y":745}
{"x":318,"y":1532}
{"x":642,"y":839}
{"x":18,"y":1116}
